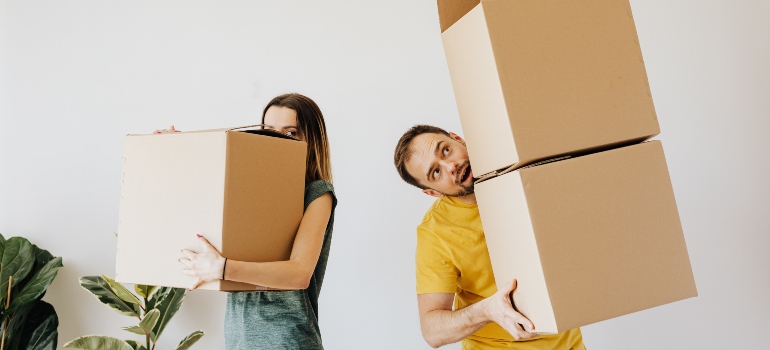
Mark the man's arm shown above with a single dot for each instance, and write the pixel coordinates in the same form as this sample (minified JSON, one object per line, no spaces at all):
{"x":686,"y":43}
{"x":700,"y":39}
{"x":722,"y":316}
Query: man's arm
{"x":440,"y":325}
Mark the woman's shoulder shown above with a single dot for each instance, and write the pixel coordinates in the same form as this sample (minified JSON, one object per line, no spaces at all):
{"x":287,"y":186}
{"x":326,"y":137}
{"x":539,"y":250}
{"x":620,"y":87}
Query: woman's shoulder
{"x":319,"y":185}
{"x":315,"y":189}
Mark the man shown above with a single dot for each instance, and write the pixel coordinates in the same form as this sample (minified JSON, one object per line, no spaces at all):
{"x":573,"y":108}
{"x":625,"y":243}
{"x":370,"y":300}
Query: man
{"x":456,"y":291}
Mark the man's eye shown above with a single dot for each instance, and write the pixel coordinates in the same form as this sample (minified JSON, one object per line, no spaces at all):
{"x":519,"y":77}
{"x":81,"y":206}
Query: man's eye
{"x":435,"y":173}
{"x":446,"y":150}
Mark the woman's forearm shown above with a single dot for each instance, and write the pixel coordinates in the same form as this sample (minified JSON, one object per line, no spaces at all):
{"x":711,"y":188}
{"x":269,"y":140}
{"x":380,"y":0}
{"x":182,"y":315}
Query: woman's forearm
{"x":296,"y":272}
{"x":287,"y":274}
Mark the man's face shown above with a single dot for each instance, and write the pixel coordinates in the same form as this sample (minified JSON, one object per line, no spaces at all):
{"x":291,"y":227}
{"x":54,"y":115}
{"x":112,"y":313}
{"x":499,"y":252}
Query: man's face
{"x":440,"y":163}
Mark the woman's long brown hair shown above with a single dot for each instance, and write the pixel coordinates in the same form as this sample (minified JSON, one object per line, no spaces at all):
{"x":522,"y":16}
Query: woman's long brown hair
{"x":312,"y":129}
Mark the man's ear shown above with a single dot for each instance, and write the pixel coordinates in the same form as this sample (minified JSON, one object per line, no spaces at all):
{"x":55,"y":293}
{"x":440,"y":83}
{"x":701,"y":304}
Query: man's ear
{"x":456,"y":137}
{"x":432,"y":193}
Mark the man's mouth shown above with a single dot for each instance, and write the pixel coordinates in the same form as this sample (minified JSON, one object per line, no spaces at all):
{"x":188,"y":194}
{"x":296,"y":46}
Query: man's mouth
{"x":466,"y":174}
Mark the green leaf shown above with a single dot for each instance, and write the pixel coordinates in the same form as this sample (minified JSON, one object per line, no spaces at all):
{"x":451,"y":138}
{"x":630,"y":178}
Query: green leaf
{"x":146,"y":325}
{"x":156,"y":297}
{"x":37,"y":285}
{"x":44,"y":335}
{"x":135,"y":345}
{"x":98,"y":342}
{"x":168,"y":306}
{"x":33,"y":327}
{"x":144,"y":290}
{"x":42,"y":256}
{"x":122,"y":292}
{"x":102,"y":291}
{"x":16,"y":323}
{"x":189,"y":340}
{"x":17,"y":261}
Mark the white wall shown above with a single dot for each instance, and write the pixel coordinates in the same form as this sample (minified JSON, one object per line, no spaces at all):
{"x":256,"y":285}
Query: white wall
{"x":75,"y":76}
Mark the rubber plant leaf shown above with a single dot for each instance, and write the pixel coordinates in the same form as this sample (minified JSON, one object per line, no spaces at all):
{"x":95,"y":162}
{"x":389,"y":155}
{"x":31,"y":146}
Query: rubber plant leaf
{"x":135,"y":345}
{"x":147,"y":323}
{"x":189,"y":340}
{"x":98,"y":342}
{"x":168,"y":306}
{"x":102,"y":291}
{"x":144,"y":290}
{"x":122,"y":292}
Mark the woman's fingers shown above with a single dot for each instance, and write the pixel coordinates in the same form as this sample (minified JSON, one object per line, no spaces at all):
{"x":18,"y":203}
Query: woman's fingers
{"x":196,"y":284}
{"x":205,"y":243}
{"x":189,"y":253}
{"x":186,"y":261}
{"x":166,"y":131}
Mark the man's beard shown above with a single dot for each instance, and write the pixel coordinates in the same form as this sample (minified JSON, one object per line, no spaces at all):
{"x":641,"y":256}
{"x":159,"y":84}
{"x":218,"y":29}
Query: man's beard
{"x":465,"y":190}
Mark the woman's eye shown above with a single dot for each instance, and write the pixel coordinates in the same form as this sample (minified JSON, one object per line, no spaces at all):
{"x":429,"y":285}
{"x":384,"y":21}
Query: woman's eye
{"x":291,"y":133}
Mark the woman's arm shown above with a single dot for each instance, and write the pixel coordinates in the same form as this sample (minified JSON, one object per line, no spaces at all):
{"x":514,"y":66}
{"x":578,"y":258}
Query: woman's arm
{"x":295,"y":273}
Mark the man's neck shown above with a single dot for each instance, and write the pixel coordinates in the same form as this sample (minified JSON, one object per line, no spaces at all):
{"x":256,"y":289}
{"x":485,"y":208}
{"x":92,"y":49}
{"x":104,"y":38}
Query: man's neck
{"x":467,"y":199}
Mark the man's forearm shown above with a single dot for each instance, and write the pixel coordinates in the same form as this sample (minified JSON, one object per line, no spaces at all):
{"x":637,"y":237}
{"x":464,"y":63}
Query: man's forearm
{"x":441,"y":327}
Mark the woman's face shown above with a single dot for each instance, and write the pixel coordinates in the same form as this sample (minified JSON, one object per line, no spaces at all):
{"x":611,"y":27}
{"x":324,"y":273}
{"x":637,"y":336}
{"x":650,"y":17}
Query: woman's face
{"x":283,"y":120}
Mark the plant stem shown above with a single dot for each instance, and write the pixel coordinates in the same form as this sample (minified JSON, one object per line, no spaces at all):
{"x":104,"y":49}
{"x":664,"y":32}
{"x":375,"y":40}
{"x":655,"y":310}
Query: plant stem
{"x":146,"y":306}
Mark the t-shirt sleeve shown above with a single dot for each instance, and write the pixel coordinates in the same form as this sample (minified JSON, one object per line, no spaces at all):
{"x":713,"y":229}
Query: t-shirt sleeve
{"x":436,"y":273}
{"x":316,"y":189}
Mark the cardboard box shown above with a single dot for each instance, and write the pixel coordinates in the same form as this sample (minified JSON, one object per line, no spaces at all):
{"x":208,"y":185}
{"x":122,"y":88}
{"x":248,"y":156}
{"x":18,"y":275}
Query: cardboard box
{"x":242,"y":190}
{"x":588,"y":238}
{"x":535,"y":79}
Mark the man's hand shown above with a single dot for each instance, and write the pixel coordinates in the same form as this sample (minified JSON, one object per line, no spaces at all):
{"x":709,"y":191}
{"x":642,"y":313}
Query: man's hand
{"x":498,"y":308}
{"x":441,"y":325}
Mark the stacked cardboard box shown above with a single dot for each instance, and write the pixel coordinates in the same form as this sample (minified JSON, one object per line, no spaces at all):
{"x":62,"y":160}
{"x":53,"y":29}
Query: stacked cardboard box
{"x":242,"y":190}
{"x":576,"y":204}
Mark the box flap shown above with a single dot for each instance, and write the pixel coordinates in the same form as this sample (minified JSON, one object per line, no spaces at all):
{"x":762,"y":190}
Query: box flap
{"x":237,"y":128}
{"x":450,"y":11}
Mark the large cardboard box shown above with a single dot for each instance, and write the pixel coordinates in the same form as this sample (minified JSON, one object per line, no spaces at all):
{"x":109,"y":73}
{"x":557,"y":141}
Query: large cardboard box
{"x":242,"y":190}
{"x":588,"y":238}
{"x":535,"y":79}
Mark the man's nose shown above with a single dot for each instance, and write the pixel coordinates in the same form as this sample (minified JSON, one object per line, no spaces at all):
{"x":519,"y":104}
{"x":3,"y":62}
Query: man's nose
{"x":450,"y":166}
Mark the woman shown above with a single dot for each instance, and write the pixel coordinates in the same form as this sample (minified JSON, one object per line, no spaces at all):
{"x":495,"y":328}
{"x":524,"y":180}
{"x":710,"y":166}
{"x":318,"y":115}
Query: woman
{"x":281,"y":319}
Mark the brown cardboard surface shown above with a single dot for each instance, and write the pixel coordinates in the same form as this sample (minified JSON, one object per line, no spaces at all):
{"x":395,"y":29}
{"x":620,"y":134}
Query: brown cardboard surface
{"x":607,"y":234}
{"x":450,"y":11}
{"x":242,"y":191}
{"x":558,"y":77}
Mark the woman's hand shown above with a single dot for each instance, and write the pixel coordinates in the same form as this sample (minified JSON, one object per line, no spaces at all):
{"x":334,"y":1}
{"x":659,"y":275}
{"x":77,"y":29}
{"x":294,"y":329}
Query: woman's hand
{"x":206,"y":266}
{"x":166,"y":131}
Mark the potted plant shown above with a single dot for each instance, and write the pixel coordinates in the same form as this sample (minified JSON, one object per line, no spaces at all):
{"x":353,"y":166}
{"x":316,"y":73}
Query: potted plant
{"x":26,"y":271}
{"x":152,"y":306}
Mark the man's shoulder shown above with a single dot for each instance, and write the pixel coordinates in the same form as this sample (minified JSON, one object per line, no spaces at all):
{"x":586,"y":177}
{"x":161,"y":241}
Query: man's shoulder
{"x":434,"y":214}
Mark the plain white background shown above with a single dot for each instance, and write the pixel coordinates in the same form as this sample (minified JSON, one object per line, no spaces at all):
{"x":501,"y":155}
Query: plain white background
{"x":76,"y":76}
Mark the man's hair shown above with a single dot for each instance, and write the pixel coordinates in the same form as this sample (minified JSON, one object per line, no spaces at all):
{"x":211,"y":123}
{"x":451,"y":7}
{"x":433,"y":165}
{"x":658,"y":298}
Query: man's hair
{"x":404,"y":150}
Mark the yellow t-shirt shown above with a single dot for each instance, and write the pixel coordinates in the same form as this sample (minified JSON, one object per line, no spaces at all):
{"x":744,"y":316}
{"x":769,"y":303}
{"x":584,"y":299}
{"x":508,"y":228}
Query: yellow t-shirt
{"x":452,"y":257}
